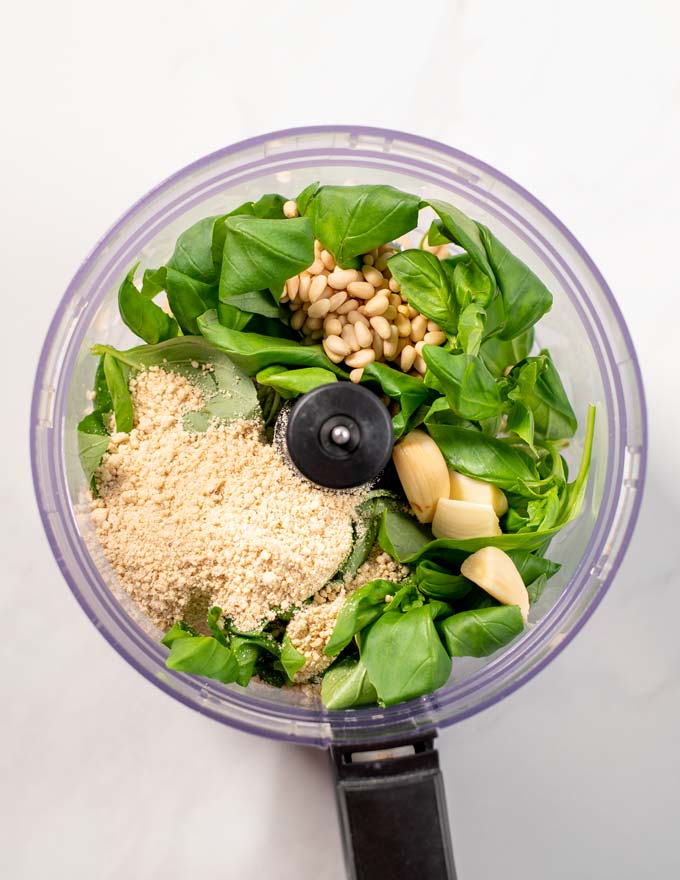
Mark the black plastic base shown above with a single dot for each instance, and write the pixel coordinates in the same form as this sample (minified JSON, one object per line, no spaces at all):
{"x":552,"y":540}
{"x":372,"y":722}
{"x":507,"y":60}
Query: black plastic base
{"x":393,"y":812}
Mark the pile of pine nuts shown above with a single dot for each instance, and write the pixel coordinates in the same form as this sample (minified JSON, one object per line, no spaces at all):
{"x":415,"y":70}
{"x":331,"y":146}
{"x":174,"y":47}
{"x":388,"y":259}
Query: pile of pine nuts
{"x":358,"y":315}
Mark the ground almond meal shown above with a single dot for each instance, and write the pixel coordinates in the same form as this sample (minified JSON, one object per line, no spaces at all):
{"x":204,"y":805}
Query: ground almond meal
{"x":190,"y":520}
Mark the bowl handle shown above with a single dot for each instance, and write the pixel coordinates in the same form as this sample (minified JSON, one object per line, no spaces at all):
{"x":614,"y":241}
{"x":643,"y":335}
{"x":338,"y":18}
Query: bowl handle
{"x":392,"y":810}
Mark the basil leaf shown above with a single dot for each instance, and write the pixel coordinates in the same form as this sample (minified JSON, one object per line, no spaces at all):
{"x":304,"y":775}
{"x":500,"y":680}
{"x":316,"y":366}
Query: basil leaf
{"x":408,"y":391}
{"x":346,"y":685}
{"x":439,"y":583}
{"x":471,"y":284}
{"x":499,"y":354}
{"x":257,"y":302}
{"x":102,"y":395}
{"x":369,"y":513}
{"x":401,"y":535}
{"x":471,"y":328}
{"x":229,"y":393}
{"x":117,"y":382}
{"x":405,"y":598}
{"x":535,"y":588}
{"x":179,"y":630}
{"x":435,"y":234}
{"x":476,"y":455}
{"x":153,"y":281}
{"x":291,"y":659}
{"x":526,"y":299}
{"x":351,"y":220}
{"x":440,"y":413}
{"x":93,"y":441}
{"x":464,"y":232}
{"x":198,"y":253}
{"x":292,"y":383}
{"x":521,"y":422}
{"x":425,"y":286}
{"x":213,"y":620}
{"x":540,"y":389}
{"x":470,"y":388}
{"x":270,"y":206}
{"x":260,"y":253}
{"x":253,"y":351}
{"x":188,"y":298}
{"x":203,"y":655}
{"x":246,"y":654}
{"x":481,"y":632}
{"x":141,"y":315}
{"x":360,"y":609}
{"x":230,"y":316}
{"x":404,"y":656}
{"x":307,"y":194}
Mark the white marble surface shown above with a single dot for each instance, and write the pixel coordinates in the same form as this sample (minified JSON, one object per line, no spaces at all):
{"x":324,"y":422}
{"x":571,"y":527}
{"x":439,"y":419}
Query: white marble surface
{"x":103,"y":776}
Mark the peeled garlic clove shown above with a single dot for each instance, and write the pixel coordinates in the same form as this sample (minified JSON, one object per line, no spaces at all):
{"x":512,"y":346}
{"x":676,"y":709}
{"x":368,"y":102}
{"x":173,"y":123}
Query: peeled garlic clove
{"x":464,"y":488}
{"x":464,"y":519}
{"x":423,"y":473}
{"x":493,"y":570}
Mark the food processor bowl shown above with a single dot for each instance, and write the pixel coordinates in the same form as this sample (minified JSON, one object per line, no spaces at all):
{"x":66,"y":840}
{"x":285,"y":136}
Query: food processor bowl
{"x":584,"y":331}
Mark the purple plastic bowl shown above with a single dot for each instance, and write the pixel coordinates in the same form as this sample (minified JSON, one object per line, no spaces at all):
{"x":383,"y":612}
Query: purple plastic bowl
{"x":585,"y":332}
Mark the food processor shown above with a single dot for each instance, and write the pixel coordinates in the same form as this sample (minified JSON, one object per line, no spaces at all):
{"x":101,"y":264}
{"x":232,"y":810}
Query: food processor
{"x":384,"y":760}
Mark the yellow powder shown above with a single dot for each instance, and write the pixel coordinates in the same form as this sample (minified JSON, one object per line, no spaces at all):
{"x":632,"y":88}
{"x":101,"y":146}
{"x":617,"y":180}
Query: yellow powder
{"x":188,"y":520}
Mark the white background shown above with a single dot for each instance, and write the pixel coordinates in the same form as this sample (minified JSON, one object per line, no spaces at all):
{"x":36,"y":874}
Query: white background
{"x":577,"y":774}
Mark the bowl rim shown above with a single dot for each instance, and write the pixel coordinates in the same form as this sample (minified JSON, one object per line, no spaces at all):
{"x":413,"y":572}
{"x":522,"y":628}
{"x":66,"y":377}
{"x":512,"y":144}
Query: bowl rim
{"x":329,"y":718}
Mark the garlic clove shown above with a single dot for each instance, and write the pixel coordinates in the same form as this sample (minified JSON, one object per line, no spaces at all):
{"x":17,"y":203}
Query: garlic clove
{"x":423,"y":473}
{"x":493,"y":570}
{"x":464,"y":488}
{"x":461,"y":520}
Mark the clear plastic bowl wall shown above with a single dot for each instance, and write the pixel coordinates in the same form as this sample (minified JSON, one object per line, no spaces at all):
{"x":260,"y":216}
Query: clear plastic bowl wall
{"x":584,"y":331}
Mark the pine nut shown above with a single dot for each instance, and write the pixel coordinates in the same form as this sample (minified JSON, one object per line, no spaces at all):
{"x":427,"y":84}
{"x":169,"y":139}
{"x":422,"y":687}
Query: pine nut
{"x":403,"y":326}
{"x":312,"y":324}
{"x":369,"y":259}
{"x":317,"y":288}
{"x":350,"y":337}
{"x":390,"y":345}
{"x":401,"y":345}
{"x":327,"y":260}
{"x":342,"y":319}
{"x":290,"y":209}
{"x":360,"y":289}
{"x":381,"y":327}
{"x":305,"y":284}
{"x":419,"y":346}
{"x":318,"y":247}
{"x":316,"y":267}
{"x":403,"y":310}
{"x":284,"y":296}
{"x":420,"y":365}
{"x":356,"y":317}
{"x":355,"y":375}
{"x":434,"y":337}
{"x":432,"y":327}
{"x":395,"y":300}
{"x":381,"y":261}
{"x":386,"y":248}
{"x":298,"y":319}
{"x":412,"y":313}
{"x":408,"y":357}
{"x":292,"y":287}
{"x":337,"y":299}
{"x":390,"y":313}
{"x":335,"y":358}
{"x":296,"y":304}
{"x":377,"y":305}
{"x":348,"y":306}
{"x":378,"y":346}
{"x":317,"y":335}
{"x":360,"y":358}
{"x":363,"y":334}
{"x":319,"y":309}
{"x":336,"y":345}
{"x":340,"y":278}
{"x":372,"y":275}
{"x":332,"y":326}
{"x":418,"y":327}
{"x":394,"y":285}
